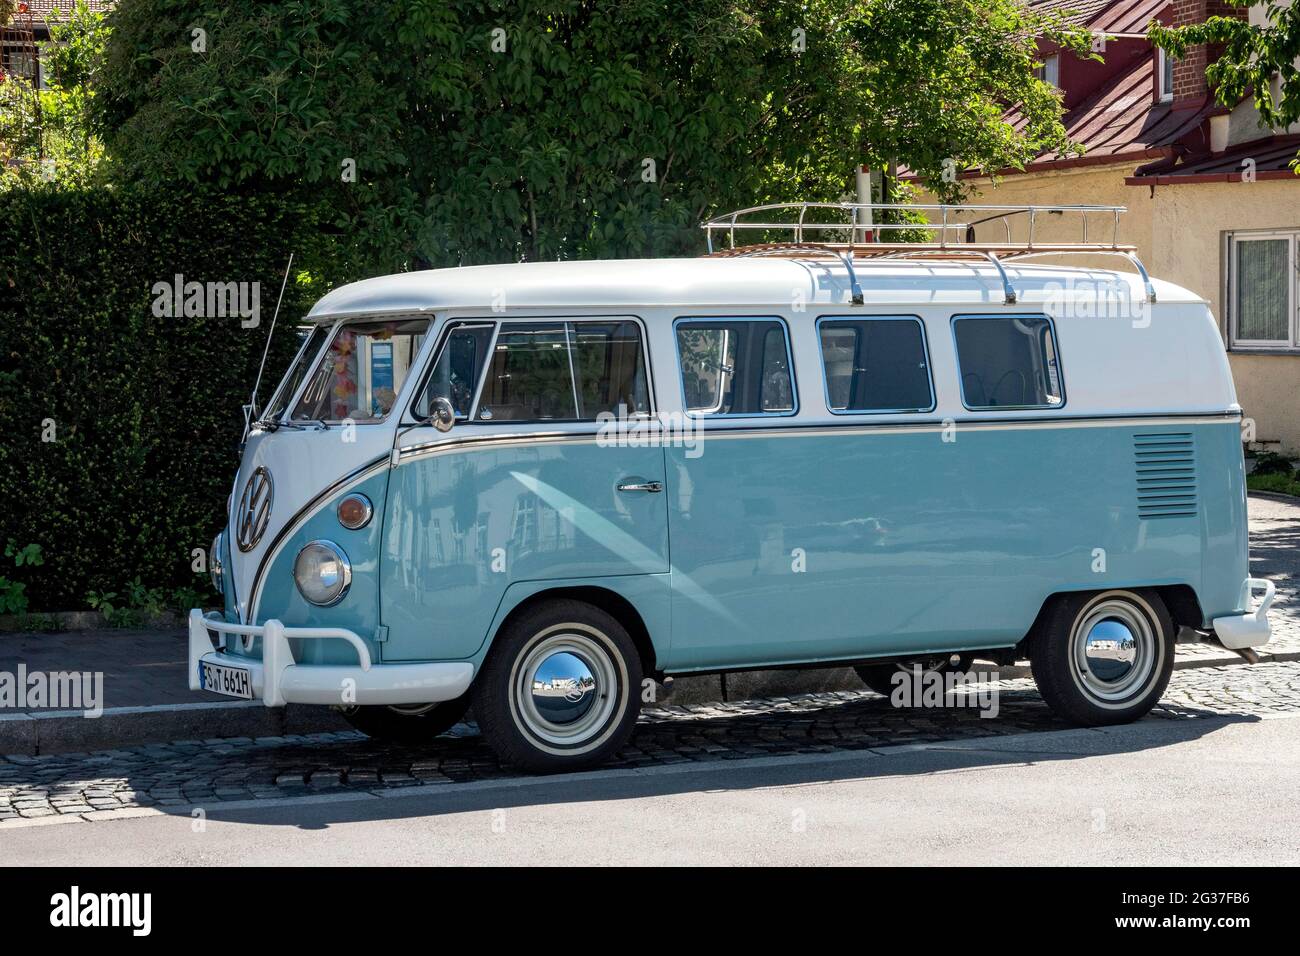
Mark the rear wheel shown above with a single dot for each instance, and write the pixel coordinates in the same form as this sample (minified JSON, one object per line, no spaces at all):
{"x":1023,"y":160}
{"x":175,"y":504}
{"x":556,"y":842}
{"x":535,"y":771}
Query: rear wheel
{"x":407,"y":723}
{"x":1103,"y":657}
{"x":560,"y":688}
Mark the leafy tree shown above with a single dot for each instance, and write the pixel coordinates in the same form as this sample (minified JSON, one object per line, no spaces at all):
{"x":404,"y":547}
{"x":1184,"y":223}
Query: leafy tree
{"x":46,"y":133}
{"x":484,"y":131}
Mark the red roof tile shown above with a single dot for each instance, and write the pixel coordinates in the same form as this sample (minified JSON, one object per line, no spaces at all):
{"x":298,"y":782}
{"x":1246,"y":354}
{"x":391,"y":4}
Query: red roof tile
{"x":43,"y":10}
{"x":1112,"y":16}
{"x":1129,"y":16}
{"x":1120,"y":119}
{"x":1272,"y":157}
{"x":1078,"y":12}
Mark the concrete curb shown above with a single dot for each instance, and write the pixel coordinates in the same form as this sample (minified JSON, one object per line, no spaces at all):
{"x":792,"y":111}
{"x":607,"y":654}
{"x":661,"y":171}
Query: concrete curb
{"x":69,"y":622}
{"x":66,"y":731}
{"x":1273,"y":496}
{"x":71,"y":731}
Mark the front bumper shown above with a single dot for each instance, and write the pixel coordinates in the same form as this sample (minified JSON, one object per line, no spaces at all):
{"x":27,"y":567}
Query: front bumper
{"x":277,"y":679}
{"x":1239,"y":631}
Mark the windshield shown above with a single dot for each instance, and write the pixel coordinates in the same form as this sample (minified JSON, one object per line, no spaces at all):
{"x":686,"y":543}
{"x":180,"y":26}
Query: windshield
{"x":315,"y":338}
{"x":362,"y":371}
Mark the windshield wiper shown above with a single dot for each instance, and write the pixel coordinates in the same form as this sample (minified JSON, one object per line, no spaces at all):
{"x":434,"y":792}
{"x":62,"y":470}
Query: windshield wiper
{"x":271,"y":424}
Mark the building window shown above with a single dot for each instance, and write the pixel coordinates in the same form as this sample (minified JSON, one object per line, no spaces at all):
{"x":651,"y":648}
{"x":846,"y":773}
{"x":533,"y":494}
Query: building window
{"x":1262,"y":290}
{"x":1050,"y":70}
{"x":1164,"y":76}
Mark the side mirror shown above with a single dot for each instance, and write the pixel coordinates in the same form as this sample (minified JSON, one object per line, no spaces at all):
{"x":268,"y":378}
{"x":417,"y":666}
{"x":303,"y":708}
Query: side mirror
{"x":442,"y":415}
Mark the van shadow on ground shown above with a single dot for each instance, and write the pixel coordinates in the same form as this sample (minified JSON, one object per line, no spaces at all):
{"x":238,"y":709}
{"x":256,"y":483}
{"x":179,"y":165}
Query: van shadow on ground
{"x":807,"y":735}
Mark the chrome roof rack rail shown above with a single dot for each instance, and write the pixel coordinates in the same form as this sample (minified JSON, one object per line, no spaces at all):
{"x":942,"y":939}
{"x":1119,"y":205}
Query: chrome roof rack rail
{"x":950,"y":230}
{"x":796,"y":248}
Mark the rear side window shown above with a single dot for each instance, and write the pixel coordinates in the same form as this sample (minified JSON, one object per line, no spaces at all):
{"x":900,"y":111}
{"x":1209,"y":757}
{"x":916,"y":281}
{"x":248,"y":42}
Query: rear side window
{"x":875,"y":364}
{"x":1008,"y":361}
{"x":564,"y":371}
{"x":735,"y":366}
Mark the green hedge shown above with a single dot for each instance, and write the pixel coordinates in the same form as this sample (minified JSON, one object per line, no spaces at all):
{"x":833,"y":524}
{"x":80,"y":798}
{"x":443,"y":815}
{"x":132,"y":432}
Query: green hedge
{"x":146,"y":409}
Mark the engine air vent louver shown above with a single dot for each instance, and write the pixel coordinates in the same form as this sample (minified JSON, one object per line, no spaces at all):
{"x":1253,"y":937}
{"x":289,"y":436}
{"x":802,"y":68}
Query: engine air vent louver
{"x":1166,"y":474}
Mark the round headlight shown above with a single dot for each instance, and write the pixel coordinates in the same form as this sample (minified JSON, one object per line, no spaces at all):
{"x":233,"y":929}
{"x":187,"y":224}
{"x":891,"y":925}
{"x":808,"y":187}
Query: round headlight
{"x":354,"y":512}
{"x":322,"y":573}
{"x":214,"y":563}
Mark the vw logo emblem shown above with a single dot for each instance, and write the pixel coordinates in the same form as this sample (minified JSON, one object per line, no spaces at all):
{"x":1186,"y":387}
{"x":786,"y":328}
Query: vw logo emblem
{"x":254,"y":510}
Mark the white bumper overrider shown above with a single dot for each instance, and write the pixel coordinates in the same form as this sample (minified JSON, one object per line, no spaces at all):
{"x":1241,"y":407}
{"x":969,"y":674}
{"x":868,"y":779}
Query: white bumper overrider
{"x":278,"y":680}
{"x":1237,"y":631}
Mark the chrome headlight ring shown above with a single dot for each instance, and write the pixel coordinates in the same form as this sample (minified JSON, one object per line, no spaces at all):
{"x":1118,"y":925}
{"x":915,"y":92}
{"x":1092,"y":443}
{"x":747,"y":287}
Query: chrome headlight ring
{"x":215,"y":568}
{"x":322,"y":573}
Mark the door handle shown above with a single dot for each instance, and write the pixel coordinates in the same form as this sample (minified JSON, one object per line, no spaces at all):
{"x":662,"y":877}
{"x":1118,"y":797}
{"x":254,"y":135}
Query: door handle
{"x":653,"y":487}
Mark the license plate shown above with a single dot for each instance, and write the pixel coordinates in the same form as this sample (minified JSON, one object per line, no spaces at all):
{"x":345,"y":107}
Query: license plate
{"x":229,"y":681}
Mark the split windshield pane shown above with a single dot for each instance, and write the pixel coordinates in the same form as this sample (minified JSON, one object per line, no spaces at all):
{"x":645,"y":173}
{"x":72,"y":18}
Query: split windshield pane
{"x":362,"y":371}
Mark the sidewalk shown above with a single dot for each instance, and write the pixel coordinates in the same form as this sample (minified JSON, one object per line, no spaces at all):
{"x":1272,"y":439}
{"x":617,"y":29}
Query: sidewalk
{"x":146,"y":697}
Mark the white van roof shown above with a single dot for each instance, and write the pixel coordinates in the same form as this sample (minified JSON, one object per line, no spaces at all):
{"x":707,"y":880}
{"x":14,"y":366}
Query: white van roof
{"x":748,"y":282}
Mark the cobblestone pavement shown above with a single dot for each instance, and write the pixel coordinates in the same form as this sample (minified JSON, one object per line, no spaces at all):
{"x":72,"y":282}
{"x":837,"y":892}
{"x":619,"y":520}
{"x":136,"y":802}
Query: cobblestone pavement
{"x":179,"y":775}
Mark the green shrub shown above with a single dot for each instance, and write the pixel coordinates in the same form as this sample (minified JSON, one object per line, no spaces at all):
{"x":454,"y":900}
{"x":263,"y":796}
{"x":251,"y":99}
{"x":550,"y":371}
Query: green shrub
{"x":1279,"y":484}
{"x":121,"y":426}
{"x":13,"y":594}
{"x":1271,"y":463}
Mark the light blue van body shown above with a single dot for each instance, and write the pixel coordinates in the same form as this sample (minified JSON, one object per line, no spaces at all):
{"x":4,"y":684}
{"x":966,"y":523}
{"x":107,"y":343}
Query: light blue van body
{"x":801,"y":539}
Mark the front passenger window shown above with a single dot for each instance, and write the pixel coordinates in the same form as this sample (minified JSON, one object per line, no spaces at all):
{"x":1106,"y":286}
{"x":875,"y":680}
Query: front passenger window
{"x":460,"y":366}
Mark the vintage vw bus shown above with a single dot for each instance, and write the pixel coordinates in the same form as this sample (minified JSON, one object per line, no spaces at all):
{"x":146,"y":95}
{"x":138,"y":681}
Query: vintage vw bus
{"x":534,"y":488}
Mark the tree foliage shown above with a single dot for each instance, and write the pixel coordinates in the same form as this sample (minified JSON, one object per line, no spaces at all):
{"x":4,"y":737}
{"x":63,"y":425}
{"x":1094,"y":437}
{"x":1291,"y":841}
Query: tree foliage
{"x":45,"y":133}
{"x":488,"y":131}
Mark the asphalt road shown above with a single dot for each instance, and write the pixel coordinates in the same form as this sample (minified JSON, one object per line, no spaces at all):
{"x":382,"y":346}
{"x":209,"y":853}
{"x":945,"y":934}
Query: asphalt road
{"x":1217,"y":790}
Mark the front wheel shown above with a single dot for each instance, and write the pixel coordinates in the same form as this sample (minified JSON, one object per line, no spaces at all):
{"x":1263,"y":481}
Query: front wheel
{"x":559,"y":689}
{"x":1103,"y":657}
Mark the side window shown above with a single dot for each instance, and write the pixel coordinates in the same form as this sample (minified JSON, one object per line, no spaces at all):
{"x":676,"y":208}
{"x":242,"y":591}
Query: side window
{"x":735,"y":367}
{"x":875,"y":365}
{"x":610,"y":367}
{"x":459,"y":368}
{"x":1008,"y":362}
{"x":313,"y":340}
{"x":531,"y":376}
{"x":565,"y":371}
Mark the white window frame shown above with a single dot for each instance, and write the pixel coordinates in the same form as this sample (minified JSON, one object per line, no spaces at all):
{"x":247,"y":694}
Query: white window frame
{"x":1235,"y":342}
{"x":1164,"y":94}
{"x":1050,"y":71}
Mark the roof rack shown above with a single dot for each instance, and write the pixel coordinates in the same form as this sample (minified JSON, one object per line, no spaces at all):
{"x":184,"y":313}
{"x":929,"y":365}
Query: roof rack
{"x":951,"y":229}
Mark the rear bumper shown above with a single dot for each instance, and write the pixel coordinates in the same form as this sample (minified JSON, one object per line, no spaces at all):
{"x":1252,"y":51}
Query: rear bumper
{"x":277,"y":679}
{"x":1251,"y":629}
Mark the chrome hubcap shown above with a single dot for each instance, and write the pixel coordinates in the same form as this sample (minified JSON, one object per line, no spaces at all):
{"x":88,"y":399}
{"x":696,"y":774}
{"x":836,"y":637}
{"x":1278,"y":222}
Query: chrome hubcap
{"x":1113,"y":650}
{"x":566,"y":687}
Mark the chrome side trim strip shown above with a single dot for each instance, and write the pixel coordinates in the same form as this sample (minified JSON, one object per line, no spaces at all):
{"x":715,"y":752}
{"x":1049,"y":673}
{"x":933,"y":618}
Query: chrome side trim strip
{"x":792,"y":430}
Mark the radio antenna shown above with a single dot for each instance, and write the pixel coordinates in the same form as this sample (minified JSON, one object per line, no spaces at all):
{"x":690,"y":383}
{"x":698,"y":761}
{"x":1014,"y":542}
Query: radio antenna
{"x":252,"y":401}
